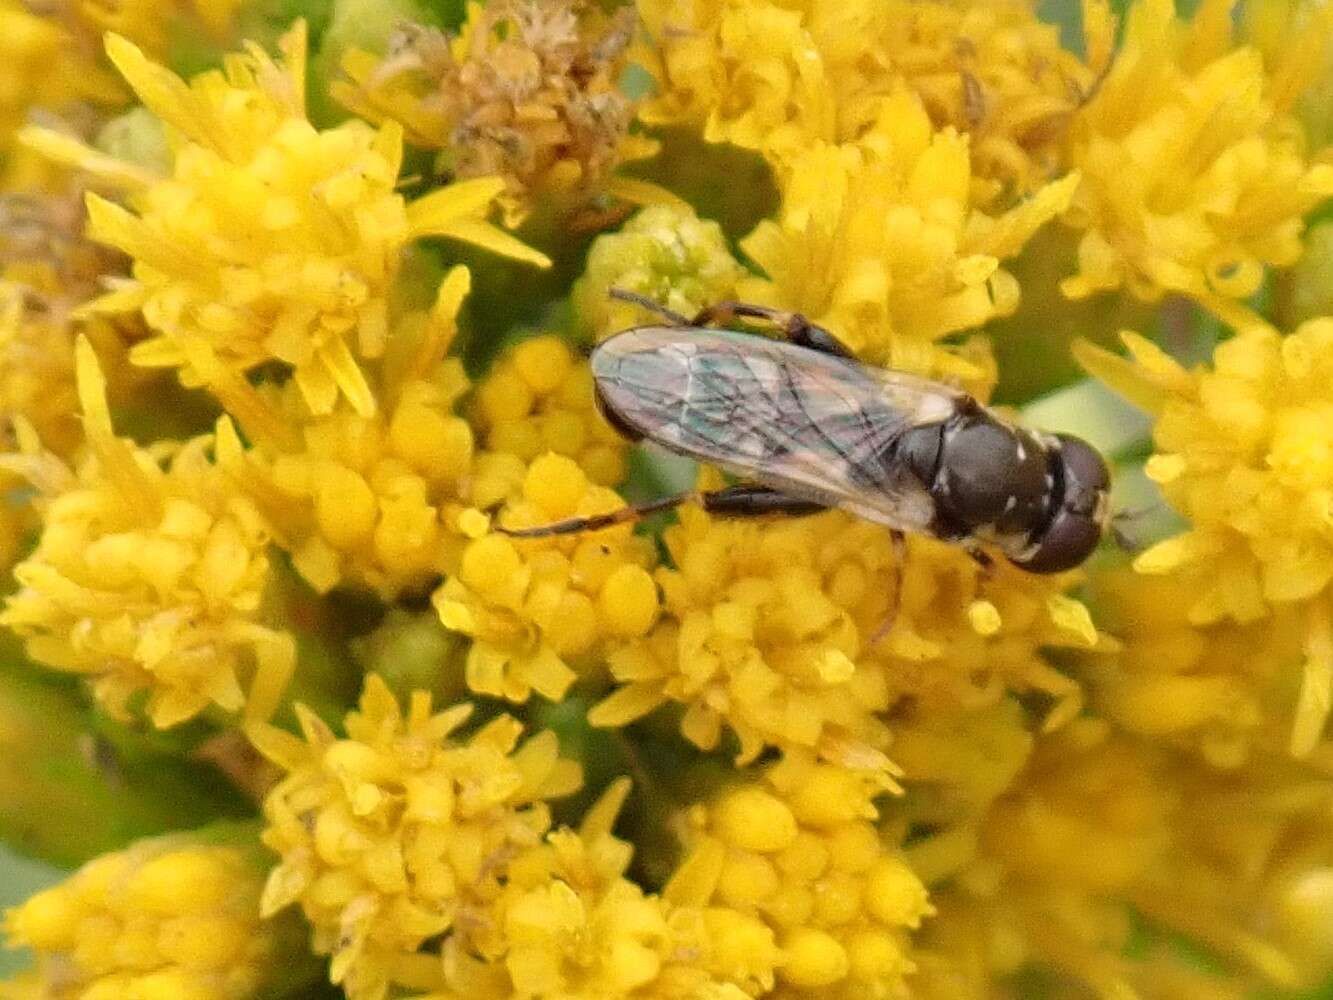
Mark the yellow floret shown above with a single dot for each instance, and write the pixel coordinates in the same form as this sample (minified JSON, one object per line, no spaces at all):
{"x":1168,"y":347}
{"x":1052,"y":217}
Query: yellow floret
{"x":841,"y":904}
{"x":538,"y":398}
{"x":408,"y":821}
{"x":1242,"y":453}
{"x":149,"y":575}
{"x":271,"y":239}
{"x":176,"y":916}
{"x":880,"y":243}
{"x":537,"y":607}
{"x":567,"y":923}
{"x":1194,"y":182}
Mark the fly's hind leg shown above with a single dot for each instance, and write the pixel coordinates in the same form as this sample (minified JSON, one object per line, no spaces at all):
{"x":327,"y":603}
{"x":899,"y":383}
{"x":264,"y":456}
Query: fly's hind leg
{"x":793,"y":326}
{"x":742,"y":500}
{"x":750,"y":500}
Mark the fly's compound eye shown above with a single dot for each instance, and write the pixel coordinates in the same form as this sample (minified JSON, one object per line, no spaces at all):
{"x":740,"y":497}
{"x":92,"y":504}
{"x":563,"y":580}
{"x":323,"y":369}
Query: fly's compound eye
{"x":621,"y":426}
{"x":1076,"y":527}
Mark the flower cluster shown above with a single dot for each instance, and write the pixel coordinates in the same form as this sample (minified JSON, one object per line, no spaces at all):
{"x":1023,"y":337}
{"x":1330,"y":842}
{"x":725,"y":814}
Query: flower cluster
{"x":800,"y":850}
{"x":305,"y":283}
{"x":532,"y":606}
{"x":367,"y":500}
{"x":174,"y":916}
{"x":401,"y":833}
{"x":527,"y":92}
{"x":778,"y":77}
{"x":1200,"y":191}
{"x":666,"y":254}
{"x":324,"y":549}
{"x":150,"y":573}
{"x":879,"y":242}
{"x":805,"y":634}
{"x":538,"y":400}
{"x":389,"y":835}
{"x":1242,"y":452}
{"x":1099,"y":828}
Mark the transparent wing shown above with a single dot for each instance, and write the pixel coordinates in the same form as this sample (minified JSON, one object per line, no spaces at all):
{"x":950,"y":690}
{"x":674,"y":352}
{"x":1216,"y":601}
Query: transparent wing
{"x":813,"y":426}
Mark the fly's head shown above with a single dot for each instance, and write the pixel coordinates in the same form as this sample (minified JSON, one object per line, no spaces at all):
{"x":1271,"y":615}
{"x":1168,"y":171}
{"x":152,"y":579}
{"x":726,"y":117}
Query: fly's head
{"x":1081,"y":513}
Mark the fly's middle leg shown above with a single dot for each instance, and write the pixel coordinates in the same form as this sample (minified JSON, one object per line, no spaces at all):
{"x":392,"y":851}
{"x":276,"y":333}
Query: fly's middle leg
{"x":741,"y":500}
{"x":899,"y":542}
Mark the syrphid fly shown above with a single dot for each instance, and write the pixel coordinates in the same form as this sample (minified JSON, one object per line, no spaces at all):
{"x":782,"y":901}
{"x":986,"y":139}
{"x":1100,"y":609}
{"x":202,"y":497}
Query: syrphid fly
{"x":807,"y":427}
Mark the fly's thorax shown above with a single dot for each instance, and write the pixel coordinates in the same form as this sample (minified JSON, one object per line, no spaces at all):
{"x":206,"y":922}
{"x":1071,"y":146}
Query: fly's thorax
{"x":988,"y":480}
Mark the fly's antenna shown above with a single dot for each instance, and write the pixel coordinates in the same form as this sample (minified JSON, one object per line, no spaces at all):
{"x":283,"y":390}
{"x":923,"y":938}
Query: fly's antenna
{"x":670,"y":315}
{"x":1126,"y":518}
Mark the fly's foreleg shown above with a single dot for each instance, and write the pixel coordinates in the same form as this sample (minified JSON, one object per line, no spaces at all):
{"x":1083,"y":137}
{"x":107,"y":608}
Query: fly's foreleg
{"x":793,"y":326}
{"x":742,"y":500}
{"x":670,"y":315}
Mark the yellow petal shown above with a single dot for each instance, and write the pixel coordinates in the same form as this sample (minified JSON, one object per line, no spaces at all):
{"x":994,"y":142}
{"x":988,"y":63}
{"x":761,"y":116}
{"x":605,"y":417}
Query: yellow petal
{"x":160,"y":90}
{"x":68,"y":151}
{"x":492,"y":238}
{"x":641,"y":192}
{"x":444,"y":206}
{"x":1120,"y":374}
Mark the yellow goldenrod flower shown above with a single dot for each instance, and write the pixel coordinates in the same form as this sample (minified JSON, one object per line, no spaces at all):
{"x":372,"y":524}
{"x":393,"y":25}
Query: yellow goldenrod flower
{"x":773,"y":629}
{"x":565,"y":924}
{"x":47,"y":270}
{"x":778,"y":77}
{"x":536,"y":608}
{"x":538,"y":398}
{"x":799,"y":849}
{"x":47,"y":67}
{"x":1098,"y":828}
{"x":149,"y":575}
{"x":271,"y":240}
{"x":1225,"y":689}
{"x":879,"y":243}
{"x":664,"y":252}
{"x":1194,"y":180}
{"x":399,"y":831}
{"x":996,"y":72}
{"x":1242,"y":452}
{"x":528,"y":92}
{"x":155,"y":24}
{"x":1293,"y":35}
{"x":43,"y":248}
{"x":174,"y":916}
{"x":371,"y":501}
{"x":37,"y":370}
{"x":760,"y":635}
